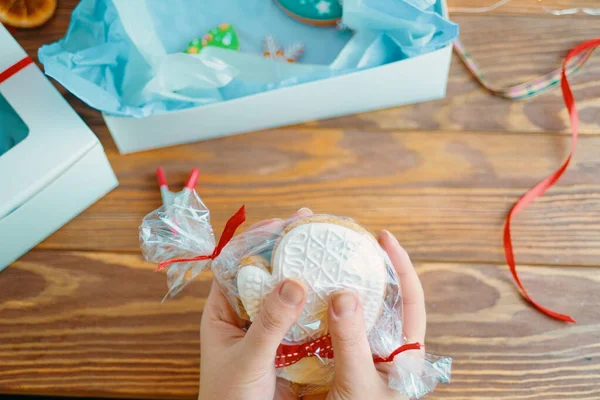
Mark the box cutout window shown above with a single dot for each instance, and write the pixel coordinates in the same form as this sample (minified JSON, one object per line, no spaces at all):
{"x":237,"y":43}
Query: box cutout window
{"x":12,"y":128}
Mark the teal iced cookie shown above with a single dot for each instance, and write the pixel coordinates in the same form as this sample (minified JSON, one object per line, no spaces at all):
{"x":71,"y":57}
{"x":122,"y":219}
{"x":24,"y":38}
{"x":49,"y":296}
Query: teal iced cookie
{"x":315,"y":12}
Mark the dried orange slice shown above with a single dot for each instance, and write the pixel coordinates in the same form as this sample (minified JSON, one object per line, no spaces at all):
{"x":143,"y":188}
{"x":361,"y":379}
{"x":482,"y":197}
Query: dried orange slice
{"x":26,"y":13}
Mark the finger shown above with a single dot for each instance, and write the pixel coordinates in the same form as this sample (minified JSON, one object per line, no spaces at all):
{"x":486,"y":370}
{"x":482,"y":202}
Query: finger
{"x":266,"y":223}
{"x":257,"y":237}
{"x":264,"y":230}
{"x":321,"y":396}
{"x":279,"y":311}
{"x":413,"y":299}
{"x":353,"y":359}
{"x":218,"y":309}
{"x":284,"y":390}
{"x":220,"y":325}
{"x":303,"y":212}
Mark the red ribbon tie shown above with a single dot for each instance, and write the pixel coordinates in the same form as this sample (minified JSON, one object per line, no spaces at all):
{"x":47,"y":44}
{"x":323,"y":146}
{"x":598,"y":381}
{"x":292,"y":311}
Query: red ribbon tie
{"x":323,"y":348}
{"x":15,"y":68}
{"x":231,"y":226}
{"x":542,"y":187}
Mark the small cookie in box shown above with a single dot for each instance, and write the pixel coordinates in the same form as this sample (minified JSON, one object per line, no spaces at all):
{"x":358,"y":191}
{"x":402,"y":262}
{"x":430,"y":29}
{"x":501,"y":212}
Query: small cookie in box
{"x":313,"y":12}
{"x":223,"y":36}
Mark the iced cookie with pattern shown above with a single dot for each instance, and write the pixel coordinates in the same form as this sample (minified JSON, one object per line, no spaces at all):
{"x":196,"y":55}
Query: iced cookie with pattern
{"x":326,"y":254}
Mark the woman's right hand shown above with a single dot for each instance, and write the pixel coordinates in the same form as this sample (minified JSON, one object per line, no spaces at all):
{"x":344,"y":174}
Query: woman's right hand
{"x":357,"y":377}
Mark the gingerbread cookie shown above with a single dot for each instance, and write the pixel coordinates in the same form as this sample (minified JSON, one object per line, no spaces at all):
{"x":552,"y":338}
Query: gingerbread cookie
{"x":327,"y":254}
{"x":314,"y":12}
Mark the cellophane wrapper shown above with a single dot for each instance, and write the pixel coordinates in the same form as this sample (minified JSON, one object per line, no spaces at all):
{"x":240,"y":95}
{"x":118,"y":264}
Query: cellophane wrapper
{"x":183,"y":230}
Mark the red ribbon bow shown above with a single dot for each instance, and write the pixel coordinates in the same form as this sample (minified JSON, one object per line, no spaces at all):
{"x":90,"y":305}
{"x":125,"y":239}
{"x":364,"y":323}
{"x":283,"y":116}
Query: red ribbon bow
{"x":322,"y":347}
{"x":542,"y":187}
{"x":231,"y":226}
{"x":15,"y":68}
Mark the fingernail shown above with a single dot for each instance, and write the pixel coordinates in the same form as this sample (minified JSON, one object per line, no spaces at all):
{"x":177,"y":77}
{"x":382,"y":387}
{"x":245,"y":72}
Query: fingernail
{"x":344,"y":304}
{"x":304,"y":209}
{"x":292,"y":292}
{"x":389,"y":236}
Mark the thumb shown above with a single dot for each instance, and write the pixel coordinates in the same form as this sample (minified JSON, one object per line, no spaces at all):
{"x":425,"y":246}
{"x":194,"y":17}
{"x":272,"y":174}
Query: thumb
{"x":352,"y":354}
{"x":279,"y":311}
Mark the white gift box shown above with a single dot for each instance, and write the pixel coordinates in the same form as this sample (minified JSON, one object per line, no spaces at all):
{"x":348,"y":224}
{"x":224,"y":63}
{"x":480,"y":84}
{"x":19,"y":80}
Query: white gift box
{"x":58,"y":167}
{"x":408,"y":81}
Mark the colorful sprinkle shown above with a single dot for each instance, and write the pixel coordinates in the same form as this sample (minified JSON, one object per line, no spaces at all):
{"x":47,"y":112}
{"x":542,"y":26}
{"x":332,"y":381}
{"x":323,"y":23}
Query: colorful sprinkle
{"x":223,"y":36}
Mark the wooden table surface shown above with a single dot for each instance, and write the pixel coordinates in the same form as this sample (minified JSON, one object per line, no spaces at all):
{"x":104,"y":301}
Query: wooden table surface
{"x":81,"y":313}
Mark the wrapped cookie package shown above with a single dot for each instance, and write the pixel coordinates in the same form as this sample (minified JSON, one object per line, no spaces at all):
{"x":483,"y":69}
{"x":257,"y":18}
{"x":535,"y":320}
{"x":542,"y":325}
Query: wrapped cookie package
{"x":327,"y":254}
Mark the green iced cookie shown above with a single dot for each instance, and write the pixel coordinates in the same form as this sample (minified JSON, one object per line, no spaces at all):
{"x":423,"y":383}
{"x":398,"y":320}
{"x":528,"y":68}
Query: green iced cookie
{"x":223,"y":36}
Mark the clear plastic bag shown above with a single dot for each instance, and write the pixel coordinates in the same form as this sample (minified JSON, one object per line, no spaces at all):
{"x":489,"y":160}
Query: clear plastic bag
{"x":325,"y":252}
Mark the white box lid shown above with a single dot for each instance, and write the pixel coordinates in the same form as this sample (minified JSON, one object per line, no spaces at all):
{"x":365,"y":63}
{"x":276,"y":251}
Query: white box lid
{"x":57,"y":136}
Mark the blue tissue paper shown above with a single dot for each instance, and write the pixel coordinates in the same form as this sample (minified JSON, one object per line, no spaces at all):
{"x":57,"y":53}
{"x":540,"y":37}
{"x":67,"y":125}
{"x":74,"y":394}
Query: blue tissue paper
{"x":125,"y":58}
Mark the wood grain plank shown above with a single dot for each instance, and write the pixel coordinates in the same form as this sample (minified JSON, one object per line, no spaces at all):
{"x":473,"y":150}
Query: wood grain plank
{"x":444,"y":195}
{"x":89,"y":323}
{"x":520,"y":7}
{"x":510,"y":51}
{"x":92,"y":324}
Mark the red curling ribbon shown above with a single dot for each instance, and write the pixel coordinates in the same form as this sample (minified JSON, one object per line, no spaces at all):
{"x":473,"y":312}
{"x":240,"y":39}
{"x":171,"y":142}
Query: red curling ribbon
{"x":542,"y":187}
{"x":162,"y":179}
{"x":193,"y":179}
{"x":401,"y":349}
{"x":15,"y":68}
{"x":231,"y":226}
{"x":322,"y":347}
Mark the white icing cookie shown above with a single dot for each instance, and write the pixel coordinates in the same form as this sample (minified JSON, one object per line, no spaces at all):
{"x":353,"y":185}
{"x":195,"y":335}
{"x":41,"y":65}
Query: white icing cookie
{"x":326,"y":257}
{"x":253,"y":285}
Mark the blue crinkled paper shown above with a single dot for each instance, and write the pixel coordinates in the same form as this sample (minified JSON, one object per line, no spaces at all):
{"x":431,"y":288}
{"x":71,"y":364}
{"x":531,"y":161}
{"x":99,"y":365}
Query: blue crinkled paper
{"x":124,"y":57}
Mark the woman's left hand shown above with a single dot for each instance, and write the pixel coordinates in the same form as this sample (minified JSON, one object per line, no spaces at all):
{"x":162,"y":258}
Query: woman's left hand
{"x":239,"y":365}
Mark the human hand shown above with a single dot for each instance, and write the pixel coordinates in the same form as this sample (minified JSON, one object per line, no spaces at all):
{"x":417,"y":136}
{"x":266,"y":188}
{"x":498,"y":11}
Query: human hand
{"x":357,"y":377}
{"x":236,"y":364}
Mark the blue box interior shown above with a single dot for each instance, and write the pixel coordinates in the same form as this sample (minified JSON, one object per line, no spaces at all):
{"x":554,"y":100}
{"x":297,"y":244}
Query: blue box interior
{"x":12,"y":128}
{"x":127,"y":61}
